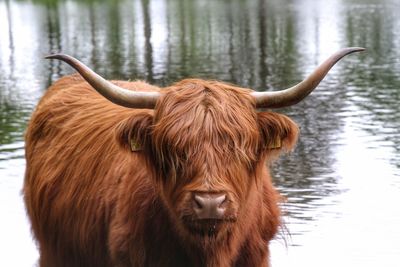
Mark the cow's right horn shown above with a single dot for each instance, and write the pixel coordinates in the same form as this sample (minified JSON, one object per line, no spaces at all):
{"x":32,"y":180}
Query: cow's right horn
{"x":116,"y":94}
{"x":293,"y":95}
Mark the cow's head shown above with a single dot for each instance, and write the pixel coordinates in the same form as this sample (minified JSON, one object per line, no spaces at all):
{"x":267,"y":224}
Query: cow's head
{"x":208,"y":145}
{"x":207,"y":142}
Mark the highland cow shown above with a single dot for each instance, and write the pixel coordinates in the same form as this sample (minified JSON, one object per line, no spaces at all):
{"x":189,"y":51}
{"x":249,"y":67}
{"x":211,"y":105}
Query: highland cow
{"x":176,"y":176}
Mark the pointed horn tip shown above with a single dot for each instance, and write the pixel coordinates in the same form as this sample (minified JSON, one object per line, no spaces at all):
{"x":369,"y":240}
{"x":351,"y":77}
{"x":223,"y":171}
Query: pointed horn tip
{"x":56,"y":56}
{"x":355,"y":49}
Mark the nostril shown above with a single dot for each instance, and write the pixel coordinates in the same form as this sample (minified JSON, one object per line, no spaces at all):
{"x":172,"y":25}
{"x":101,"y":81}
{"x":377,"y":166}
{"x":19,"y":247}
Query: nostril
{"x":198,"y":202}
{"x":220,"y":201}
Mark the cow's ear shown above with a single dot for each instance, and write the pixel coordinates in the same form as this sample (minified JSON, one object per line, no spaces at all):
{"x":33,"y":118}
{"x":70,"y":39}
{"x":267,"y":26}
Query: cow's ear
{"x":278,"y":132}
{"x":134,"y":133}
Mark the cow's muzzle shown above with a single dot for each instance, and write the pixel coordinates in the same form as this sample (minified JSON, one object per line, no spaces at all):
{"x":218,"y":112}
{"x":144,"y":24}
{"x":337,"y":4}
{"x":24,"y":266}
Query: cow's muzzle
{"x":209,"y":205}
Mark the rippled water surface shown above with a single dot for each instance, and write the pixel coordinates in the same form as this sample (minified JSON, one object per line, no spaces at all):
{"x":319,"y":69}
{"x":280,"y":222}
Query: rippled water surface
{"x":342,"y":182}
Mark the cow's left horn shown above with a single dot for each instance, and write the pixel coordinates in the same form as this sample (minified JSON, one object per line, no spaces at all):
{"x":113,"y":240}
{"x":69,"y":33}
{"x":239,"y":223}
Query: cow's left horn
{"x":116,"y":94}
{"x":295,"y":94}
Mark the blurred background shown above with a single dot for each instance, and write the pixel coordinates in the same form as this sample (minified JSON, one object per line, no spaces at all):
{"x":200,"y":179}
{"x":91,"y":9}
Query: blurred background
{"x":342,"y":182}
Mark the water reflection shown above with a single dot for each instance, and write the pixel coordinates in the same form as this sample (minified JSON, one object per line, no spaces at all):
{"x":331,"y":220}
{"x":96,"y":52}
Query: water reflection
{"x":349,"y":126}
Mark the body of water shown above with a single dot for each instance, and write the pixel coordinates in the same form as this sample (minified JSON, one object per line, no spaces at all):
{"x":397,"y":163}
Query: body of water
{"x":341,"y":183}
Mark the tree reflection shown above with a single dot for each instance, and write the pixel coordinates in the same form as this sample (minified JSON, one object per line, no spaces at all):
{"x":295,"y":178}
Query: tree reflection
{"x":376,"y":92}
{"x":53,"y":36}
{"x":10,"y":38}
{"x":148,"y":54}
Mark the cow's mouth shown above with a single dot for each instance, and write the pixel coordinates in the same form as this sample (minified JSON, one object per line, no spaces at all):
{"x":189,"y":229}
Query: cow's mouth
{"x":207,"y":227}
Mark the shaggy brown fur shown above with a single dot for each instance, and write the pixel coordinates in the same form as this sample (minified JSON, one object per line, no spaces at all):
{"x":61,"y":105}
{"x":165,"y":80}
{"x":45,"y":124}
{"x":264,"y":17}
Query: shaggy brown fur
{"x":94,"y":202}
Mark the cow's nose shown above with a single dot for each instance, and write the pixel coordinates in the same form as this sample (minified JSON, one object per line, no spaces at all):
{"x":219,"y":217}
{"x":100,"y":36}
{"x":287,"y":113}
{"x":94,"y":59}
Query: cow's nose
{"x":209,"y":205}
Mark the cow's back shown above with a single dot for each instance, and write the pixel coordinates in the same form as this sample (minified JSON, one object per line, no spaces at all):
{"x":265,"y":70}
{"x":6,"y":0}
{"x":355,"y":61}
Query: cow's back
{"x":74,"y":168}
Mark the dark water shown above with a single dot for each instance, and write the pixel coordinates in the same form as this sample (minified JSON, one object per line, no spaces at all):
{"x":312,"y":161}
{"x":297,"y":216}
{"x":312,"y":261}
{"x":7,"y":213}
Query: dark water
{"x":342,"y":182}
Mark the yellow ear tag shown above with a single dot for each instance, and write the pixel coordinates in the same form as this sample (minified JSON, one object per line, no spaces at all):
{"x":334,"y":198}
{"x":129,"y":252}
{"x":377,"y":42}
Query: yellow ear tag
{"x":135,"y":146}
{"x":276,"y":144}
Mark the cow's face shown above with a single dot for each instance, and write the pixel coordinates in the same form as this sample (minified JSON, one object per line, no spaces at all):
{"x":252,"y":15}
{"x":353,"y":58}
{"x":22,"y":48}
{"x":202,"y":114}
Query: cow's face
{"x":208,"y":146}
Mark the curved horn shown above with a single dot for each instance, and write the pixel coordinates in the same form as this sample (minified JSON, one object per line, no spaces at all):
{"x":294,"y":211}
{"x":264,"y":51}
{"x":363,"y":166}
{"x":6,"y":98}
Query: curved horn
{"x":295,"y":94}
{"x":116,"y":94}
